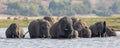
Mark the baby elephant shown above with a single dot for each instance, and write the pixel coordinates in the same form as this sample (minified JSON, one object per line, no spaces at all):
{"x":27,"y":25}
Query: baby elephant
{"x":82,"y":29}
{"x":14,"y":31}
{"x":110,"y":32}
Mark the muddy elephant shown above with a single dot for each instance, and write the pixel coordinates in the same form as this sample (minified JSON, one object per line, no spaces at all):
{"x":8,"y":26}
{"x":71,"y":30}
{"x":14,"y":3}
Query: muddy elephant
{"x":62,"y":29}
{"x":98,"y":29}
{"x":50,"y":19}
{"x":110,"y":32}
{"x":14,"y":31}
{"x":39,"y":29}
{"x":82,"y":29}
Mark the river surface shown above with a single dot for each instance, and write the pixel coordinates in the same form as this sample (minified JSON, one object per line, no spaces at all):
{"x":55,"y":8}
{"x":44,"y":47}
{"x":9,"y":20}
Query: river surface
{"x":106,"y":42}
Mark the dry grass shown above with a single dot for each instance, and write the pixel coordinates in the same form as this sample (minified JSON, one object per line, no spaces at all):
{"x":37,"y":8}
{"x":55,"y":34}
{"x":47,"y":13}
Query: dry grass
{"x":112,"y":22}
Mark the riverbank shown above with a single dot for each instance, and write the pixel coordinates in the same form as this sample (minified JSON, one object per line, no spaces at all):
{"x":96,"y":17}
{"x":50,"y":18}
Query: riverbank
{"x":112,"y":21}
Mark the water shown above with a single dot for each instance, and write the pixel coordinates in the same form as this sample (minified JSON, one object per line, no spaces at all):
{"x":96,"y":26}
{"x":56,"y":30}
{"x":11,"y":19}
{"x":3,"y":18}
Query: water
{"x":109,"y":42}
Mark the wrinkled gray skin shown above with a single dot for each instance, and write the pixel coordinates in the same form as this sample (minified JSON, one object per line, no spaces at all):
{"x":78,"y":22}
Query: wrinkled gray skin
{"x":14,"y":31}
{"x":62,"y":29}
{"x":98,"y":29}
{"x":39,"y":29}
{"x":82,"y":29}
{"x":110,"y":32}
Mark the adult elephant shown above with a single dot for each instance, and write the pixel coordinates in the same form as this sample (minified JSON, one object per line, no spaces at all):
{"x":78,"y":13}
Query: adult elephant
{"x":110,"y":32}
{"x":98,"y":29}
{"x":62,"y":29}
{"x":14,"y":31}
{"x":39,"y":29}
{"x":82,"y":29}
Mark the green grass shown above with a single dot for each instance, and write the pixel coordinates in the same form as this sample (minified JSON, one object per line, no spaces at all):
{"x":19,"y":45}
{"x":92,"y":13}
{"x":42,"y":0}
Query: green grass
{"x":6,"y":23}
{"x":112,"y":22}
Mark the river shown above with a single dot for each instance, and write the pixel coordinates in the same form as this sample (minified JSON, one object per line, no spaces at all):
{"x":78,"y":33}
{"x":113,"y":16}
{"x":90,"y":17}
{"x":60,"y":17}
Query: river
{"x":106,"y":42}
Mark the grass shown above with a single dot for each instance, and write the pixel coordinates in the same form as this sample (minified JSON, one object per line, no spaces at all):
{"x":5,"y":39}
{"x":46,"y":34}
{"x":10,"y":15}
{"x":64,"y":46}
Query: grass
{"x":5,"y":23}
{"x":112,"y":22}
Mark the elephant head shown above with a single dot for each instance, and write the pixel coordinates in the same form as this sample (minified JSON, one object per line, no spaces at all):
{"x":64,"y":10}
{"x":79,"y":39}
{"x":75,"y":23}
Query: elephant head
{"x":78,"y":25}
{"x":66,"y":26}
{"x":110,"y":32}
{"x":82,"y":29}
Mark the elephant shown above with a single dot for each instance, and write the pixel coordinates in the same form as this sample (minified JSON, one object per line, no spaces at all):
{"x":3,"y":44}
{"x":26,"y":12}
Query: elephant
{"x":39,"y":29}
{"x":50,"y":19}
{"x":78,"y":25}
{"x":85,"y":33}
{"x":62,"y":29}
{"x":98,"y":29}
{"x":74,"y":19}
{"x":14,"y":31}
{"x":82,"y":29}
{"x":110,"y":32}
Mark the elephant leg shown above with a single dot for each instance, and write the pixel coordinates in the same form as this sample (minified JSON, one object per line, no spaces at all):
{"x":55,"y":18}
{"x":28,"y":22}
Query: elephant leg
{"x":32,"y":36}
{"x":9,"y":36}
{"x":40,"y":35}
{"x":46,"y":34}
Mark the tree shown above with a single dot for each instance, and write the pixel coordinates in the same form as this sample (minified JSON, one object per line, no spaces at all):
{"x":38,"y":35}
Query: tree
{"x":115,"y":7}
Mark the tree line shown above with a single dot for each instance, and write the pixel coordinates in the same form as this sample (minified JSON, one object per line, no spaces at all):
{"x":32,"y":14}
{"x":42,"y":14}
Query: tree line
{"x":61,"y":8}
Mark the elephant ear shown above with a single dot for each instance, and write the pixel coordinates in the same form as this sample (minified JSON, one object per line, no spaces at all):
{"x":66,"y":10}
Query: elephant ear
{"x":104,"y":23}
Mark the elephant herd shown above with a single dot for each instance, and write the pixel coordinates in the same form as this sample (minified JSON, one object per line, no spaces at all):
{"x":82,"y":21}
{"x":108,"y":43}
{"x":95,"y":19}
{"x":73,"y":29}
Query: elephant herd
{"x":65,"y":27}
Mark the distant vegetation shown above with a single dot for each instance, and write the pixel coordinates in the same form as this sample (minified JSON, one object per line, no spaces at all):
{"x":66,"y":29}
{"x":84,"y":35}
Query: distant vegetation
{"x":62,"y":8}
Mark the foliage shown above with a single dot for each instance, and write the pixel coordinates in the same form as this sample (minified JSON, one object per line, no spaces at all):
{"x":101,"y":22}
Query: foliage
{"x":62,"y":8}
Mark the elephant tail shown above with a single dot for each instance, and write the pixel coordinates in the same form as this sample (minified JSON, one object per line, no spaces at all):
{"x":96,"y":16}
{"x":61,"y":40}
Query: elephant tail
{"x":25,"y":34}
